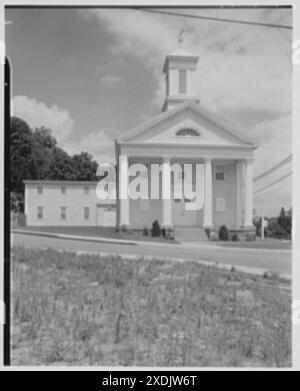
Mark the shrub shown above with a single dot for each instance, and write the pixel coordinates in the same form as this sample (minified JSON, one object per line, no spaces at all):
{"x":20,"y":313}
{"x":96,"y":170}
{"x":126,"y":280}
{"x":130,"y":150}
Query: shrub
{"x":163,"y":232}
{"x":146,"y":231}
{"x":288,"y":225}
{"x":207,"y":231}
{"x":213,"y":236}
{"x":235,"y":237}
{"x":223,"y":233}
{"x":156,"y":228}
{"x":282,"y":219}
{"x":271,"y":275}
{"x":276,"y":231}
{"x":257,"y":225}
{"x":250,"y":237}
{"x":170,"y":234}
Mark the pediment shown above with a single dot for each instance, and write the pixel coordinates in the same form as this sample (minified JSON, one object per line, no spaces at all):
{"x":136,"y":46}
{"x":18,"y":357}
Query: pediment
{"x":186,"y":124}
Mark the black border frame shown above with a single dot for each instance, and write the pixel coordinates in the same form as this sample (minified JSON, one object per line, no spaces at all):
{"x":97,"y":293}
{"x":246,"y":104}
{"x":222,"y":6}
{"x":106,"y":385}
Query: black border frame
{"x":7,"y":112}
{"x":6,"y":227}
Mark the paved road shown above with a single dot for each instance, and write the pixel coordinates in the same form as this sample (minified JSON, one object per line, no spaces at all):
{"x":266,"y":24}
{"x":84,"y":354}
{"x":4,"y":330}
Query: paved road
{"x":279,"y":260}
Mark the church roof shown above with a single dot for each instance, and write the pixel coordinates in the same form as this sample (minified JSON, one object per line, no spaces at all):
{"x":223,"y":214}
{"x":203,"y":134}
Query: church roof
{"x":182,"y":52}
{"x":226,"y":126}
{"x":179,"y":54}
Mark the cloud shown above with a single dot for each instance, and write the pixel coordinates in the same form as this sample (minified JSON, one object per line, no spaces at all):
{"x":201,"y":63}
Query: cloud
{"x":136,"y":33}
{"x":37,"y":114}
{"x":110,"y":79}
{"x":244,"y":73}
{"x":240,"y":66}
{"x":110,"y":63}
{"x":98,"y":143}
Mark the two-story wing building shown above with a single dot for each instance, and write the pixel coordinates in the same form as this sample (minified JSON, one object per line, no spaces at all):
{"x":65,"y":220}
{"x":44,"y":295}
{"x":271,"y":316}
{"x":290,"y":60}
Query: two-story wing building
{"x":67,"y":203}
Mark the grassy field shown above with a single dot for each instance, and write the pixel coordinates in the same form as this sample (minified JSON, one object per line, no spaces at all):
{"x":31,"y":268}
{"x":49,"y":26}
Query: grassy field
{"x":70,"y":309}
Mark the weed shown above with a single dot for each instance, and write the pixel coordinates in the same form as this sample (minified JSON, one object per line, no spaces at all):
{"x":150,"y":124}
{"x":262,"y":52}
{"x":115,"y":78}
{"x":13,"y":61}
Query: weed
{"x":101,"y":310}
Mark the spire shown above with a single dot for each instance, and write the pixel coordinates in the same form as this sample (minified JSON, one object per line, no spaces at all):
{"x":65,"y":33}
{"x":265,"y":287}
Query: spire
{"x":180,"y":38}
{"x":180,"y":70}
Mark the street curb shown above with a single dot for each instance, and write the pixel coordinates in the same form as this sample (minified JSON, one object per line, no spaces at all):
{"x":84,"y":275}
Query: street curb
{"x":75,"y":237}
{"x":92,"y":238}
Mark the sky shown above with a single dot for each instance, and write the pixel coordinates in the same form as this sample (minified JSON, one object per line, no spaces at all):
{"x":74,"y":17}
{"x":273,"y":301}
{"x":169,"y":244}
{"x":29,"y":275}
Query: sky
{"x":92,"y":74}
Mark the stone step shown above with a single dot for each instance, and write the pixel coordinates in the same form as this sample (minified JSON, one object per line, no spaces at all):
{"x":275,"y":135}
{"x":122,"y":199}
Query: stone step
{"x":190,"y":234}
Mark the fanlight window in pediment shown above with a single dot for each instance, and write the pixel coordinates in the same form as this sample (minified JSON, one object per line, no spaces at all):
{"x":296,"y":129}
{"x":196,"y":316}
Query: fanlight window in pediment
{"x":187,"y":132}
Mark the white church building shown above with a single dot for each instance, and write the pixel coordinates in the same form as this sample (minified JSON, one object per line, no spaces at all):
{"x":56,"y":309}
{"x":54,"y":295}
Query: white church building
{"x":184,"y":133}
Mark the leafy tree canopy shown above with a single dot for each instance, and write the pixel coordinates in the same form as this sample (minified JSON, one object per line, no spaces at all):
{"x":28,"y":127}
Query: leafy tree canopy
{"x":34,"y":154}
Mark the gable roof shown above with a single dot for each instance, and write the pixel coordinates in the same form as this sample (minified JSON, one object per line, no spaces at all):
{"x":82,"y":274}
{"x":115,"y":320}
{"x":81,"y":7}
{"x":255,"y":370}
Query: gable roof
{"x":211,"y":116}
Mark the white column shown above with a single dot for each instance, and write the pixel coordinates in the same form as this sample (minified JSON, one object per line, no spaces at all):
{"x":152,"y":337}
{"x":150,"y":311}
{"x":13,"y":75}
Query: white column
{"x":166,"y":194}
{"x":207,"y":220}
{"x":123,"y":190}
{"x":248,"y":193}
{"x":239,"y":184}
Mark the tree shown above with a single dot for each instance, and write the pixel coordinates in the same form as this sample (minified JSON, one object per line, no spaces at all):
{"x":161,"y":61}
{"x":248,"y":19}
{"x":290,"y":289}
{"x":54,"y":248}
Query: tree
{"x":62,"y":167}
{"x":20,"y":154}
{"x":43,"y":153}
{"x":281,"y":227}
{"x":85,"y":167}
{"x":35,"y":155}
{"x":276,"y":230}
{"x":282,"y":218}
{"x":288,"y":221}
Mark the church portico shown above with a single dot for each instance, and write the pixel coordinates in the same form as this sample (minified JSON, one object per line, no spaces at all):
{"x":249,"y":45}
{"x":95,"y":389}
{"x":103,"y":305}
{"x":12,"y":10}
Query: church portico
{"x":223,"y":192}
{"x":205,"y":164}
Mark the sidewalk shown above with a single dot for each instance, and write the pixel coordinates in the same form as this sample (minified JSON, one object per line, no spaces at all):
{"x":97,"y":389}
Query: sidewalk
{"x":93,"y":238}
{"x":75,"y":237}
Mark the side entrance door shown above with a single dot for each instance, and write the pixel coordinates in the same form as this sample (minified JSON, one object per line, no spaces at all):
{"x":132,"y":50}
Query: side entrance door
{"x":106,"y":215}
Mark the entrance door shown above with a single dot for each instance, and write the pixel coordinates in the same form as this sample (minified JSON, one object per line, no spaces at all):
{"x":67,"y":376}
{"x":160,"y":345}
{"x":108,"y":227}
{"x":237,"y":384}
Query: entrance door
{"x":110,"y":216}
{"x":181,"y":216}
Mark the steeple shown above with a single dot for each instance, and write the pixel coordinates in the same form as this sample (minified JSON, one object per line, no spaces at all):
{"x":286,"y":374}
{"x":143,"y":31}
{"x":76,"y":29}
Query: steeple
{"x":180,"y":69}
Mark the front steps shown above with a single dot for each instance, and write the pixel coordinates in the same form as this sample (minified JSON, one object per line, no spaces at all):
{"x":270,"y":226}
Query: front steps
{"x":190,"y":234}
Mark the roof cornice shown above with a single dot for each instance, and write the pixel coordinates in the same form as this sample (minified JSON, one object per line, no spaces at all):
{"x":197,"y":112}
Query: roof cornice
{"x":212,"y":117}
